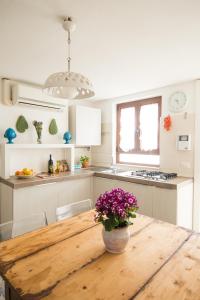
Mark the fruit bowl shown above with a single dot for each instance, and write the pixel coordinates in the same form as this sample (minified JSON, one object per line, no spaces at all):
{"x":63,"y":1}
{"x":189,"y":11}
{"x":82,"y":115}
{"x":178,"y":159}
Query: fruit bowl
{"x":25,"y":173}
{"x":24,"y":176}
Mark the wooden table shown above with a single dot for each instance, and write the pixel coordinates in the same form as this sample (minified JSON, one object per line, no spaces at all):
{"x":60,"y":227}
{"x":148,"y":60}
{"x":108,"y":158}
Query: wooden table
{"x":67,"y":260}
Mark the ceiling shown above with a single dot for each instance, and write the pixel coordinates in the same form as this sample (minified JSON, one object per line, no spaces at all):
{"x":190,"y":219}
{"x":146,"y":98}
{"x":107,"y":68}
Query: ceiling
{"x":122,"y":46}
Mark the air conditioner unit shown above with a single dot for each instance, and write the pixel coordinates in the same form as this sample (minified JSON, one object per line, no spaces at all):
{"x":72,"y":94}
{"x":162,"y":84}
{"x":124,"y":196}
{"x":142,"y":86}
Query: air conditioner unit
{"x":19,"y":93}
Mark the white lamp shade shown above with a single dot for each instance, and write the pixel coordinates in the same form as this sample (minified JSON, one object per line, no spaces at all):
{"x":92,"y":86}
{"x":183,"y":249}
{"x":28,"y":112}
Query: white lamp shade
{"x":69,"y":86}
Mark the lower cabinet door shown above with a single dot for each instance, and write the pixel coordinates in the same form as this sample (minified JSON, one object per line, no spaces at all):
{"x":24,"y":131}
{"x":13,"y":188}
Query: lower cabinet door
{"x":74,"y":191}
{"x":36,"y":199}
{"x":143,"y":193}
{"x":47,"y":197}
{"x":101,"y":185}
{"x":165,"y":205}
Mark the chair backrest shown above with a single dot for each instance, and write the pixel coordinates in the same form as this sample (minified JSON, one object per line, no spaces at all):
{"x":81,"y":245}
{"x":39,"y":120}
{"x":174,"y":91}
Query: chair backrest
{"x":15,"y":228}
{"x":6,"y":231}
{"x":73,"y":209}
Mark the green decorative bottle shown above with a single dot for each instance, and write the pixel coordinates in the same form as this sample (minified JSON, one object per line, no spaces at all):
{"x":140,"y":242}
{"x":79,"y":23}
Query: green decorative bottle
{"x":50,"y":166}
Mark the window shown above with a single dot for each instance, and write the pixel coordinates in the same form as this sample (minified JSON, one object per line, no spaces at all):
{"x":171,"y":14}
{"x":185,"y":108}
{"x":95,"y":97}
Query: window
{"x":138,"y":126}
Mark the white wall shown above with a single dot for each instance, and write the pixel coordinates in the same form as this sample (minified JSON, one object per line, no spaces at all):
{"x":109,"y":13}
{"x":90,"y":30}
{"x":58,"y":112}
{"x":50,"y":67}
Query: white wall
{"x":82,"y":151}
{"x":170,"y":158}
{"x":10,"y":114}
{"x":196,"y":214}
{"x":36,"y":159}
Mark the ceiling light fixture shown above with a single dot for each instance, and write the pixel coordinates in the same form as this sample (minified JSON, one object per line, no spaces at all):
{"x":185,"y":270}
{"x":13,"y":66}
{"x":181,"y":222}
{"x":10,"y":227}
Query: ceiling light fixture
{"x":69,"y":85}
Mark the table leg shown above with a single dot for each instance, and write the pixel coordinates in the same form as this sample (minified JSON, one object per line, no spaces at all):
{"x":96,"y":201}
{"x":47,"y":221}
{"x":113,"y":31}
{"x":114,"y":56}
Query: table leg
{"x":7,"y":292}
{"x":10,"y":294}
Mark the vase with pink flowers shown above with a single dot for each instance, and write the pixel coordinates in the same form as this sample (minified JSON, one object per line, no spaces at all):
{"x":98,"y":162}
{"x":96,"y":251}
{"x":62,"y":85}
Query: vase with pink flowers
{"x":116,"y":210}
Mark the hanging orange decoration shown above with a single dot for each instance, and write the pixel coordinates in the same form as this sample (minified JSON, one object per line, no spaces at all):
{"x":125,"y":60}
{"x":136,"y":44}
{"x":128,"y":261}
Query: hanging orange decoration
{"x":167,"y":122}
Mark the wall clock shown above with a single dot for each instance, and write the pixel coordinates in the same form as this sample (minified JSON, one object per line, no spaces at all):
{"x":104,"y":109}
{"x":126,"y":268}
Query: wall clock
{"x":177,"y":102}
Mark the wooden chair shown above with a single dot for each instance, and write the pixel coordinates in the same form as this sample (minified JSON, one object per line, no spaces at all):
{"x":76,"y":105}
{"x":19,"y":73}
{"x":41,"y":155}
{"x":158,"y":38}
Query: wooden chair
{"x":15,"y":228}
{"x":73,"y":209}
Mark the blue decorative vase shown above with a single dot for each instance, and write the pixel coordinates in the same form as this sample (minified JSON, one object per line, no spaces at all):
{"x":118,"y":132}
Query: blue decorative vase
{"x":67,"y":137}
{"x":10,"y":134}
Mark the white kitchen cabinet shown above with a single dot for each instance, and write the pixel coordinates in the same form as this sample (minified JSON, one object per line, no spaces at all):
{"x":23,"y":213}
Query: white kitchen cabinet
{"x":170,"y":205}
{"x":74,"y":191}
{"x":24,"y":202}
{"x":164,"y":204}
{"x":101,"y":185}
{"x":6,"y":208}
{"x":143,"y":193}
{"x":174,"y":206}
{"x":35,"y":199}
{"x":85,"y":125}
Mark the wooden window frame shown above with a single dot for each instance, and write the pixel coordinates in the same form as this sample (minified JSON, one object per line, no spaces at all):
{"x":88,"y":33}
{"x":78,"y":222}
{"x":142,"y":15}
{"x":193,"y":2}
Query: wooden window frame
{"x":137,"y":105}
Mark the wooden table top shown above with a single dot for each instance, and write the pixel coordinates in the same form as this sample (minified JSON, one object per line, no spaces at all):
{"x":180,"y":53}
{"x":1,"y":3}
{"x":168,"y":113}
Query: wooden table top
{"x":67,"y":260}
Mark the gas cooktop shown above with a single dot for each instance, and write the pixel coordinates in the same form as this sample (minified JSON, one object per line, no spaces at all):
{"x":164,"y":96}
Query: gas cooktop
{"x":154,"y":175}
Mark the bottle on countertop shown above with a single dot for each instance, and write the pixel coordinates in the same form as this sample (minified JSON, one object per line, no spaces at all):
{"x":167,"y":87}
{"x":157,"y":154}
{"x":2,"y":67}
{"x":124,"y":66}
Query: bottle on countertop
{"x":50,"y":166}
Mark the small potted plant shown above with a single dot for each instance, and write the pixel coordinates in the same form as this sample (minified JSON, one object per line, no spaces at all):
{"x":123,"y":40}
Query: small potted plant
{"x":115,"y":210}
{"x":84,"y":161}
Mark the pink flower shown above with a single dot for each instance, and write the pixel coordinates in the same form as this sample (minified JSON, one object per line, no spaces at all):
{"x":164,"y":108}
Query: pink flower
{"x":117,"y":202}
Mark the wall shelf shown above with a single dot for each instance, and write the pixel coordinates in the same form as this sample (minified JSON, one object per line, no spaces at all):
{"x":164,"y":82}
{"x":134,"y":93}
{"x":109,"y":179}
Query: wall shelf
{"x":6,"y":151}
{"x":37,"y":146}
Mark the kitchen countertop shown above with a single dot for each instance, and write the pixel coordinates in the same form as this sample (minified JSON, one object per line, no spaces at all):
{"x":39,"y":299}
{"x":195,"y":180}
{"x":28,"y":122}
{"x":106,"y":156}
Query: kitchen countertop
{"x":16,"y":183}
{"x":68,"y":260}
{"x":168,"y":184}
